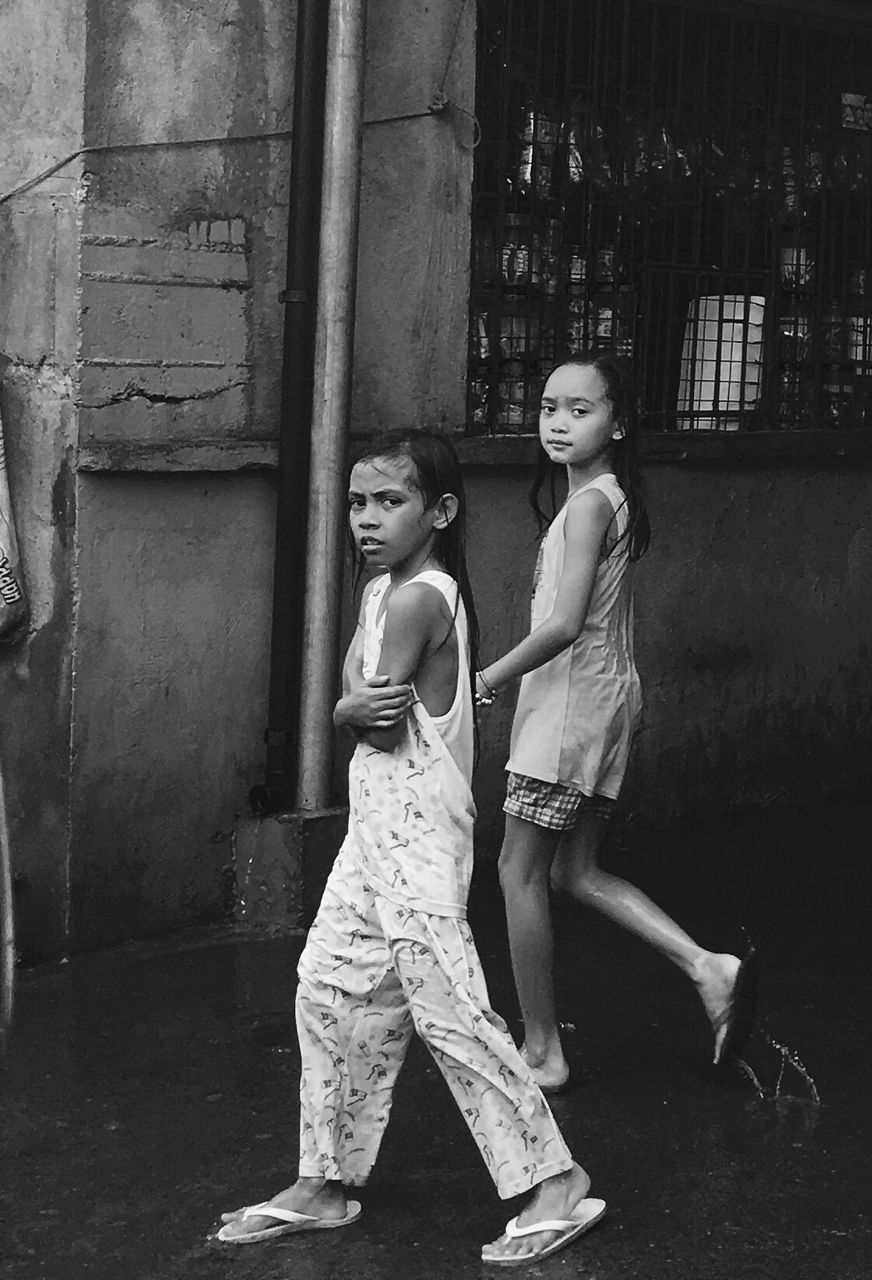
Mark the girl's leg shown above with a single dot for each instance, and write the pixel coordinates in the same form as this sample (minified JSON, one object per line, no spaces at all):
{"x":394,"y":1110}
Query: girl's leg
{"x":525,"y":863}
{"x":354,"y":1027}
{"x":516,"y":1134}
{"x":511,"y":1123}
{"x":576,"y":871}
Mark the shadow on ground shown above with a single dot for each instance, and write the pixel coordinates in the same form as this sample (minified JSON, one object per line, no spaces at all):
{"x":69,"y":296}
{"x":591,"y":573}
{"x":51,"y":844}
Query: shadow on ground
{"x":146,"y":1089}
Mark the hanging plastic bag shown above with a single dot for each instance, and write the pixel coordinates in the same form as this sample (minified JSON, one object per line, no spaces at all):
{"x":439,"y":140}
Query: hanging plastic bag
{"x":13,"y":602}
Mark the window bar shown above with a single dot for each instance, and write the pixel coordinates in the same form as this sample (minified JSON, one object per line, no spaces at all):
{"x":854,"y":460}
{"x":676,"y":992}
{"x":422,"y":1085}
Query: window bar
{"x":864,"y":417}
{"x":796,"y":210}
{"x":787,"y":390}
{"x":706,"y":147}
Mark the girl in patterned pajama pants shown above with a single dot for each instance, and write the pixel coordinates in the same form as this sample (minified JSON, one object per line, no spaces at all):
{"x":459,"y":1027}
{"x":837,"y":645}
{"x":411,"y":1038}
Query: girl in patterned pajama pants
{"x":390,"y":949}
{"x":371,"y":970}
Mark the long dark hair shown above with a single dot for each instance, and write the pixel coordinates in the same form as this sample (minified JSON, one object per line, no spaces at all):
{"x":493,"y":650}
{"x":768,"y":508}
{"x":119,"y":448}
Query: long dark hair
{"x":435,"y":470}
{"x":617,"y":374}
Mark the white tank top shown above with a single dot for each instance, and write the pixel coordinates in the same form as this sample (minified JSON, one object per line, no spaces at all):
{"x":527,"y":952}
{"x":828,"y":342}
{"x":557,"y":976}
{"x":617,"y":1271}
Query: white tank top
{"x":411,"y":809}
{"x":577,"y":714}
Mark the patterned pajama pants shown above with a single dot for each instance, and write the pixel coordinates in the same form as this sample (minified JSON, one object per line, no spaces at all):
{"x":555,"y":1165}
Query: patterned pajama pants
{"x":372,"y":971}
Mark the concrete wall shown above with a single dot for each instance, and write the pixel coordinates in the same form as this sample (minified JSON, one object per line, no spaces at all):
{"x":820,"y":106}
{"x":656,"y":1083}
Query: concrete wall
{"x":175,"y":579}
{"x":41,"y":107}
{"x":413,"y":274}
{"x":182,"y":260}
{"x":139,"y":298}
{"x":183,"y":247}
{"x":754,"y":625}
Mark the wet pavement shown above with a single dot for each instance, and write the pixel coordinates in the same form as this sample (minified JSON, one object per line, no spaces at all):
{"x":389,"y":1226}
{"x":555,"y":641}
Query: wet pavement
{"x":149,"y":1087}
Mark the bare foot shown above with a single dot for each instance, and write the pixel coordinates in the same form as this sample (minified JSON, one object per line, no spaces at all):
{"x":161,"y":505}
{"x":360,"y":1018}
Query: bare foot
{"x":549,"y":1069}
{"x":556,"y":1197}
{"x":314,"y":1196}
{"x":715,"y":980}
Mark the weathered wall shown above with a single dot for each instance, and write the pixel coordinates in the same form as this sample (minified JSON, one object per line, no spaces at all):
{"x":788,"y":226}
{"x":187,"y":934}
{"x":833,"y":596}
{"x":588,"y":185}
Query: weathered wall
{"x":182,"y":259}
{"x":41,"y":108}
{"x":754,"y":624}
{"x":413,"y":274}
{"x":184,"y":247}
{"x":35,"y":669}
{"x":175,"y":581}
{"x":755,"y":627}
{"x":43,"y":44}
{"x":137,"y":304}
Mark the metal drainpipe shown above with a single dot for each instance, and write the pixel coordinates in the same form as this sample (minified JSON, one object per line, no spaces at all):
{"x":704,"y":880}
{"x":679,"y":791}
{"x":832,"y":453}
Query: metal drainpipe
{"x":304,"y":206}
{"x":334,"y":337}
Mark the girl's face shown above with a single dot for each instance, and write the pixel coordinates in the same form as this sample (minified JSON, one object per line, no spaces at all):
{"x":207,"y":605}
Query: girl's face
{"x":576,"y":419}
{"x":391,"y":526}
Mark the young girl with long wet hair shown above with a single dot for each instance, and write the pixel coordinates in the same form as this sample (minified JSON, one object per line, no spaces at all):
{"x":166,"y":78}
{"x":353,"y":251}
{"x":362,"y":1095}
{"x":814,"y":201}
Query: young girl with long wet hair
{"x":578,"y":709}
{"x":390,"y":949}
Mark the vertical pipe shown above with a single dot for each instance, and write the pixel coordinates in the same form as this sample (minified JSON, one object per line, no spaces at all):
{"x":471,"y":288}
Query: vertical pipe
{"x":334,"y":337}
{"x":310,"y":67}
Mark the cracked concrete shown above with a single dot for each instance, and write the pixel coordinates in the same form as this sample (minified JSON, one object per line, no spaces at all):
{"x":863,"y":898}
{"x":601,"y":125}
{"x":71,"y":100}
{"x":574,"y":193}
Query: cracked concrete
{"x":158,"y":397}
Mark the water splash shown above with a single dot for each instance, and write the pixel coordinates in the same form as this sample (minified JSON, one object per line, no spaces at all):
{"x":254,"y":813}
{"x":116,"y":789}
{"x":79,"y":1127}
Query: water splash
{"x":789,"y":1057}
{"x":749,"y":1071}
{"x":789,"y":1065}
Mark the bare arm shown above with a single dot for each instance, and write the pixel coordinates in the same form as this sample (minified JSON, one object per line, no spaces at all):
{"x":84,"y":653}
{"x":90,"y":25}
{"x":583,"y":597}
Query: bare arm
{"x":352,"y":667}
{"x":367,"y":704}
{"x":587,"y":520}
{"x":413,"y":621}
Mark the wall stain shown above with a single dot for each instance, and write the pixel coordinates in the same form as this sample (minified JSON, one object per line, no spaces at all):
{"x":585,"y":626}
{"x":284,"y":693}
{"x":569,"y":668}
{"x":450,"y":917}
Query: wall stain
{"x":63,"y":501}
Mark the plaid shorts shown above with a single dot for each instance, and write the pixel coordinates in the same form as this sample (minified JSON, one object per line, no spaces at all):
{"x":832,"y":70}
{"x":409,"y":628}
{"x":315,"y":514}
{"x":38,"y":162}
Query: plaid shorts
{"x":552,"y":804}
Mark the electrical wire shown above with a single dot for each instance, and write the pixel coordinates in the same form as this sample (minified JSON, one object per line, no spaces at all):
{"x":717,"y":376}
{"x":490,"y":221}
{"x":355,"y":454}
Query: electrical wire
{"x":439,"y":104}
{"x":115,"y":147}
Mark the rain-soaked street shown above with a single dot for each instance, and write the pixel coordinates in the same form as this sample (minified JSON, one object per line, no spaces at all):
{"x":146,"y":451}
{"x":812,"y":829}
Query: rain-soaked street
{"x":148,"y":1088}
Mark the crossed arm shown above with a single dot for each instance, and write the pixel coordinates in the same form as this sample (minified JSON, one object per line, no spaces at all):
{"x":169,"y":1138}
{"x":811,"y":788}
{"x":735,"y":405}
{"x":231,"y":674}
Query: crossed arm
{"x":374,"y":710}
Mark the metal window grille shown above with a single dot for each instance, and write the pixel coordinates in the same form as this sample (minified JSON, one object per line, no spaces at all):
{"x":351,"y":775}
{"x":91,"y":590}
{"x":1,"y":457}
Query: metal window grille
{"x":687,"y":183}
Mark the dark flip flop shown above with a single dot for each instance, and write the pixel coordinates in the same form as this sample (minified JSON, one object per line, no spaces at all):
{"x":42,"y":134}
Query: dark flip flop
{"x":740,"y":1016}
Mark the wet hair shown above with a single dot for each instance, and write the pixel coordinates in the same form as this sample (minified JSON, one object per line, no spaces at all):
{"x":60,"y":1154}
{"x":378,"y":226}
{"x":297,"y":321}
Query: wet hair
{"x":434,"y":470}
{"x":617,"y":374}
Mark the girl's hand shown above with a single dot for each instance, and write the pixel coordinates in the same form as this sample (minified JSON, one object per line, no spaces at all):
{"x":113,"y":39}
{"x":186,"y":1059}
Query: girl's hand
{"x":374,"y":704}
{"x":484,"y":694}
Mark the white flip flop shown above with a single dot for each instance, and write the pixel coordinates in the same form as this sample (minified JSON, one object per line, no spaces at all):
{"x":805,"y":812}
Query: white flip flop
{"x":584,"y":1215}
{"x":288,"y":1221}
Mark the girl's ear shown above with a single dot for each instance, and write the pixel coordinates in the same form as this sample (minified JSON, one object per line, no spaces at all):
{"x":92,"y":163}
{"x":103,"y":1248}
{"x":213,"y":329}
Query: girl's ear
{"x":446,"y":510}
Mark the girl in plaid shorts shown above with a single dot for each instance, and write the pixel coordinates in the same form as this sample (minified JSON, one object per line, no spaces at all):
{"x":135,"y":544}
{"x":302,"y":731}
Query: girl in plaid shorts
{"x":578,"y":709}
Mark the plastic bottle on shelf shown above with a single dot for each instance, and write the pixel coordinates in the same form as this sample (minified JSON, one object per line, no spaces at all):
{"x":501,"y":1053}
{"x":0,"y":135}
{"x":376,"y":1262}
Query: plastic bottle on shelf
{"x":538,"y":150}
{"x":578,"y":309}
{"x":515,"y":253}
{"x":859,"y":321}
{"x":837,"y":372}
{"x":512,"y":395}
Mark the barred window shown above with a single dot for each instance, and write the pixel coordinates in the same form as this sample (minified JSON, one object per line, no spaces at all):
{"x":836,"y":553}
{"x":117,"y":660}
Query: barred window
{"x":688,"y":183}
